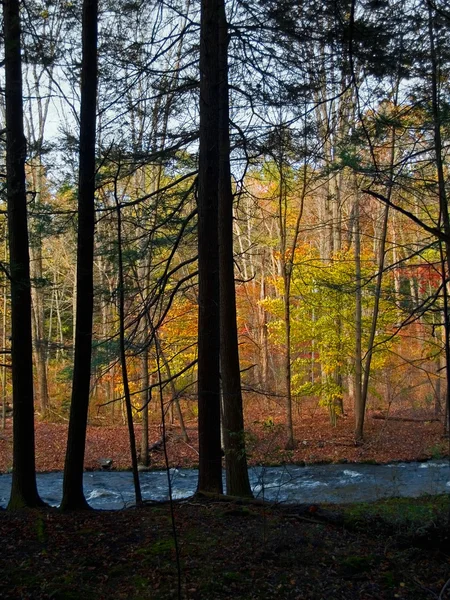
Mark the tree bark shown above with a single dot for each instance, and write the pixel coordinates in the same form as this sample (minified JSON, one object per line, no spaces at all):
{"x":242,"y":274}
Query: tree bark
{"x":38,"y":329}
{"x":210,"y":456}
{"x":24,"y":490}
{"x":444,"y":220}
{"x":237,"y":479}
{"x":73,"y":495}
{"x":145,"y":401}
{"x":359,"y":402}
{"x":123,"y":361}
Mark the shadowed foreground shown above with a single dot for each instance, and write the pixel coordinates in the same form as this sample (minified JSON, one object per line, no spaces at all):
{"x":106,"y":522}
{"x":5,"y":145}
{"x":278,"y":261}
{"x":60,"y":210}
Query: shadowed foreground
{"x":392,"y":549}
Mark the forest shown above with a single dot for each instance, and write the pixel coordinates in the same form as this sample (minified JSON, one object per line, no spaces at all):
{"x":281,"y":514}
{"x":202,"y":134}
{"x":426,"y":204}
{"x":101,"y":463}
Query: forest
{"x":225,"y":240}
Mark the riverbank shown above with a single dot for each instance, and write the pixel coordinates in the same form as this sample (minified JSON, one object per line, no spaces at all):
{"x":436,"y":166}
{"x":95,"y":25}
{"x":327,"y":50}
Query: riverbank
{"x":386,"y":440}
{"x":392,"y":549}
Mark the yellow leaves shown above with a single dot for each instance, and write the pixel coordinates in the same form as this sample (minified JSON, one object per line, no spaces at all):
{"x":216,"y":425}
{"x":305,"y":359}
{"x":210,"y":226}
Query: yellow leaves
{"x":322,"y":327}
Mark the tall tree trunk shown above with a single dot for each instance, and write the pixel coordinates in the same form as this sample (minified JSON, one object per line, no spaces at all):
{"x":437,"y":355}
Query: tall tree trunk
{"x":381,"y":257}
{"x":24,"y":490}
{"x":123,"y":361}
{"x":444,"y":220}
{"x":4,"y":338}
{"x":210,"y":455}
{"x":37,"y":291}
{"x":237,"y":480}
{"x":39,"y":341}
{"x":358,"y":398}
{"x":263,"y":337}
{"x":145,"y":401}
{"x":73,"y":495}
{"x":360,"y":415}
{"x":287,"y":266}
{"x":175,"y":400}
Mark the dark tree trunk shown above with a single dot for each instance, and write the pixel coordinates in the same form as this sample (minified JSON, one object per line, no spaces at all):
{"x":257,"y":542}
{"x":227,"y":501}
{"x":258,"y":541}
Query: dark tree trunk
{"x":24,"y":491}
{"x":123,"y":362}
{"x":210,"y":459}
{"x":237,"y":480}
{"x":73,"y":495}
{"x":38,"y":329}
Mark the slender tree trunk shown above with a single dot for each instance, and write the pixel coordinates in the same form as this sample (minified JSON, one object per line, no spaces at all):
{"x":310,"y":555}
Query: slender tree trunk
{"x":358,"y":399}
{"x":210,"y":455}
{"x":360,"y":416}
{"x":381,"y":255}
{"x":73,"y":495}
{"x":444,"y":220}
{"x":123,"y":362}
{"x":37,"y":302}
{"x":39,"y":341}
{"x":263,"y":337}
{"x":285,"y":272}
{"x":175,"y":401}
{"x":237,"y":480}
{"x":145,"y":401}
{"x":24,"y":490}
{"x":290,"y":443}
{"x":4,"y":338}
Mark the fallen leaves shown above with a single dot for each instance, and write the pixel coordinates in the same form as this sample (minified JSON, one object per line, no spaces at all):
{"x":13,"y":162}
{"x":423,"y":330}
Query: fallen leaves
{"x":317,"y":441}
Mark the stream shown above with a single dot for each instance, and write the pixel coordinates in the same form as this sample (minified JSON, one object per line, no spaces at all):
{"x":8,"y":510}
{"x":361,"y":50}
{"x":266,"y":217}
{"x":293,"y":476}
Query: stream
{"x":332,"y":483}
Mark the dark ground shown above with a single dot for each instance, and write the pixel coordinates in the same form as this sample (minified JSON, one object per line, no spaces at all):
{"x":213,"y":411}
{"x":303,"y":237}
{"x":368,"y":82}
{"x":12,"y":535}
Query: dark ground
{"x":391,"y":549}
{"x":227,"y":550}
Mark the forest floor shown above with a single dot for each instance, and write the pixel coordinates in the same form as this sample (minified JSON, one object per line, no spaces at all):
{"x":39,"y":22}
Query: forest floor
{"x":386,"y":440}
{"x":397,"y":548}
{"x":229,"y":550}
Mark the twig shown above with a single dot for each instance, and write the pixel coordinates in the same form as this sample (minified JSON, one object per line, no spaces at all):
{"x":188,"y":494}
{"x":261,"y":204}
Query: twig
{"x":189,"y":446}
{"x":441,"y":595}
{"x":307,"y":520}
{"x":420,"y":584}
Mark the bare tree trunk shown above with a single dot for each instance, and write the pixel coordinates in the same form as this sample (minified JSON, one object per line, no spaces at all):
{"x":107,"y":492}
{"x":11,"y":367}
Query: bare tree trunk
{"x":73,"y":495}
{"x":290,"y":443}
{"x":123,"y":361}
{"x":237,"y":479}
{"x":359,"y":425}
{"x":444,"y":220}
{"x":24,"y":490}
{"x":4,"y":340}
{"x":40,"y":343}
{"x":263,"y":338}
{"x":145,"y":401}
{"x":37,"y":288}
{"x":438,"y":387}
{"x":174,"y":401}
{"x":358,"y":398}
{"x":210,"y":455}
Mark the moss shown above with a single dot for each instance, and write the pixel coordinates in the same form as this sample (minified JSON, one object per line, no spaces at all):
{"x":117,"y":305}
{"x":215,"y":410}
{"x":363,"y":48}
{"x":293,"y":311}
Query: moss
{"x":158,"y":548}
{"x":401,"y":515}
{"x":357,"y":564}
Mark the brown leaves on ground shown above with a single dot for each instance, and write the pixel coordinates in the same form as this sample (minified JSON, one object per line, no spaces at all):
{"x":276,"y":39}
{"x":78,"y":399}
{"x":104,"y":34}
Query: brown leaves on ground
{"x":386,"y":440}
{"x":225,"y":551}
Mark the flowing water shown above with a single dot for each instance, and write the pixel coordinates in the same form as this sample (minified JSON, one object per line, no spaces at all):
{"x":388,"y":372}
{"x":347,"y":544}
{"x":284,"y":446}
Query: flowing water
{"x":292,"y":484}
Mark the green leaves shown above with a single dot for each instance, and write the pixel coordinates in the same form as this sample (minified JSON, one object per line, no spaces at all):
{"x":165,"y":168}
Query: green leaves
{"x":323,"y":321}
